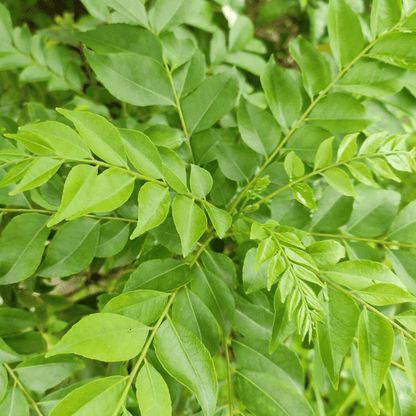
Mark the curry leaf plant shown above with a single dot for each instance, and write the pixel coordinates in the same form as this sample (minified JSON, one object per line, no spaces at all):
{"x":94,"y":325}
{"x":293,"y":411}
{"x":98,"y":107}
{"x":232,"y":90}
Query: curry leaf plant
{"x":199,"y":221}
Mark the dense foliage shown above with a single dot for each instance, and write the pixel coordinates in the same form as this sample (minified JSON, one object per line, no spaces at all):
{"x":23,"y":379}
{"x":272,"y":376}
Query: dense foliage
{"x":208,"y":207}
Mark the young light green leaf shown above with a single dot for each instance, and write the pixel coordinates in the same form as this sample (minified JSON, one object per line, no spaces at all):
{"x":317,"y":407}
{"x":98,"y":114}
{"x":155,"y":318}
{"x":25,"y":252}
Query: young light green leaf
{"x":195,"y":316}
{"x":15,"y":403}
{"x":323,"y":156}
{"x":221,"y":219}
{"x":253,"y":279}
{"x":294,"y":166}
{"x":152,"y":392}
{"x":103,"y":336}
{"x":283,"y":95}
{"x":21,"y":247}
{"x":340,"y":181}
{"x":384,"y":15}
{"x":154,"y":203}
{"x":345,"y":34}
{"x":316,"y":72}
{"x":213,"y":99}
{"x":144,"y":306}
{"x":112,"y":189}
{"x":408,"y":319}
{"x":276,"y":267}
{"x":78,"y":189}
{"x":39,"y":373}
{"x":72,"y":249}
{"x":134,"y":79}
{"x":99,"y":135}
{"x":337,"y":331}
{"x":265,"y":251}
{"x":65,"y":141}
{"x":142,"y":153}
{"x":99,"y":396}
{"x":39,"y":172}
{"x":159,"y":274}
{"x":304,"y":194}
{"x":375,"y":348}
{"x":264,"y":394}
{"x":347,"y":147}
{"x":190,"y":221}
{"x":186,"y":359}
{"x":359,"y":274}
{"x":15,"y":173}
{"x":201,"y":181}
{"x":258,"y":128}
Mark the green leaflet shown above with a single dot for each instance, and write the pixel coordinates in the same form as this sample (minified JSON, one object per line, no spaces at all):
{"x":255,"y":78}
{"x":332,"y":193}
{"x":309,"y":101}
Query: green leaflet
{"x":252,"y":354}
{"x":200,"y":181}
{"x":113,"y":238}
{"x":65,"y":141}
{"x":345,"y":34}
{"x":14,"y":403}
{"x":39,"y":172}
{"x":99,"y":396}
{"x":394,"y":49}
{"x":283,"y":96}
{"x":373,"y":212}
{"x":168,"y":13}
{"x":213,"y":99}
{"x":154,"y":203}
{"x":216,"y":296}
{"x":359,"y":274}
{"x":159,"y":274}
{"x":221,"y":219}
{"x":191,"y":312}
{"x":152,"y":392}
{"x":132,"y":9}
{"x":384,"y":15}
{"x":266,"y":395}
{"x":316,"y":72}
{"x":404,"y":225}
{"x":78,"y":188}
{"x":340,"y":113}
{"x":173,"y":170}
{"x":126,"y":76}
{"x":122,"y":38}
{"x":375,"y":347}
{"x":3,"y":382}
{"x":221,"y":265}
{"x":99,"y":135}
{"x":21,"y":247}
{"x":176,"y":348}
{"x":72,"y":249}
{"x":103,"y":336}
{"x":142,"y":153}
{"x":144,"y":306}
{"x":258,"y":128}
{"x":337,"y":331}
{"x":40,"y":373}
{"x":190,"y":221}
